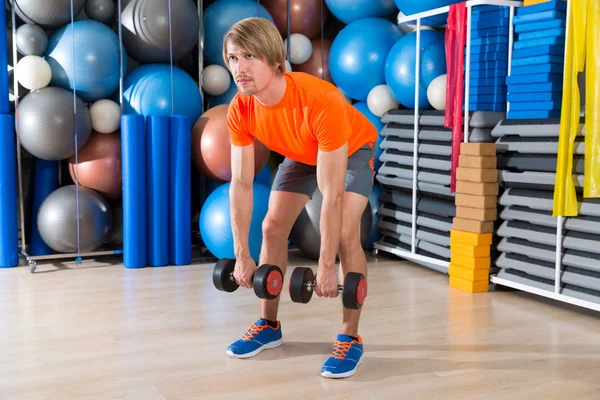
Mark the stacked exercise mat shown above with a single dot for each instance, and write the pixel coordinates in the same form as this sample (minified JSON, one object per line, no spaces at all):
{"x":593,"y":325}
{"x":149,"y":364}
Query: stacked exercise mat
{"x":435,"y":208}
{"x":490,"y":28}
{"x":536,"y":79}
{"x":527,"y":154}
{"x":471,"y":237}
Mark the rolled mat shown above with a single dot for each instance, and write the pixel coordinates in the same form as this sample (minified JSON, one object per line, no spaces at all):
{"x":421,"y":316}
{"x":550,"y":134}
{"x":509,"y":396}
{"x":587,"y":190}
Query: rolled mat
{"x":180,"y":226}
{"x":9,"y":231}
{"x":591,"y":186}
{"x":157,"y":147}
{"x":133,"y":149}
{"x":4,"y":82}
{"x":46,"y":182}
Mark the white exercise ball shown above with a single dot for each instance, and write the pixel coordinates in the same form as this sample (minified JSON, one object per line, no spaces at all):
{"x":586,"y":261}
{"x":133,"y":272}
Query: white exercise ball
{"x":215,"y":80}
{"x":106,"y":116}
{"x":380,"y":100}
{"x":33,"y":72}
{"x":436,"y":92}
{"x":300,"y":48}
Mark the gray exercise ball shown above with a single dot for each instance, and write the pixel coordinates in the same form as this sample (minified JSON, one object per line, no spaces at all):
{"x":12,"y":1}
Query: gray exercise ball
{"x":46,"y":123}
{"x":306,"y":232}
{"x":146,"y":29}
{"x":481,"y":135}
{"x":31,"y":40}
{"x":100,"y":10}
{"x":49,"y":14}
{"x":57,"y":219}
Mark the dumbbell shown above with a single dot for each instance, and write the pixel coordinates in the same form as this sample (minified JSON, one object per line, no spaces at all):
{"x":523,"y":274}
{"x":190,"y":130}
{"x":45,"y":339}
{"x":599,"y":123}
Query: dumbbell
{"x":302,"y":286}
{"x":267,"y":280}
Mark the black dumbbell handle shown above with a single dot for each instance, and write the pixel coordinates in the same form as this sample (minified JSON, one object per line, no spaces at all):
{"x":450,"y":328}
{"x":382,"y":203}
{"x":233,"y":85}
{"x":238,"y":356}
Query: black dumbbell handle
{"x":311,"y":286}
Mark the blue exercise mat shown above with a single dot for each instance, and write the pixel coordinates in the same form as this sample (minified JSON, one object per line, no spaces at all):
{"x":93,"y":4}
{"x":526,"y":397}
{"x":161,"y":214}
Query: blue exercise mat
{"x":547,"y":6}
{"x":540,"y":26}
{"x":536,"y":60}
{"x":488,"y":98}
{"x":535,"y":87}
{"x":531,"y":97}
{"x":487,"y":90}
{"x":538,"y":69}
{"x":546,"y":50}
{"x":490,"y":65}
{"x":546,"y":33}
{"x":486,"y":107}
{"x":535,"y":106}
{"x":541,"y":16}
{"x":534,"y":78}
{"x":503,"y":30}
{"x":533,"y":114}
{"x":548,"y":41}
{"x":488,"y":73}
{"x":478,"y":57}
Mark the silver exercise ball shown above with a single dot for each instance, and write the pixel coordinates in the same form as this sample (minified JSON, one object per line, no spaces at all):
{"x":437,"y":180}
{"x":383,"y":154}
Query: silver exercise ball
{"x":57,"y":219}
{"x":100,"y":10}
{"x":49,"y":14}
{"x":306,"y":232}
{"x":31,"y":40}
{"x":46,"y":123}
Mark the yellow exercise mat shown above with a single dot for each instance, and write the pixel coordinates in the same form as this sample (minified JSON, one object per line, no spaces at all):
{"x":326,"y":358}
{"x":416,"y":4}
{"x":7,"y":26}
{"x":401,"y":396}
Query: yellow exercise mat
{"x":565,"y":198}
{"x":591,"y":186}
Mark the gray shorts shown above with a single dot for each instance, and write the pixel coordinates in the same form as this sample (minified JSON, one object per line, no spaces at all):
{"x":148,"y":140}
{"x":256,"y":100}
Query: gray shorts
{"x":296,"y":177}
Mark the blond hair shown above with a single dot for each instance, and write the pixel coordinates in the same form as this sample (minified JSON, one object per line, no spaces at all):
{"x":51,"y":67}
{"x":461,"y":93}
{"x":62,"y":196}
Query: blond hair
{"x":258,"y":37}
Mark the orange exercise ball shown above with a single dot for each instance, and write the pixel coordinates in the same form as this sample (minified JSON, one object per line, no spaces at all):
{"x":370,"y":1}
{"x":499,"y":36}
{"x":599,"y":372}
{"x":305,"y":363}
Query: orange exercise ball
{"x":318,"y":63}
{"x":305,"y":16}
{"x":99,"y":164}
{"x":211,"y":146}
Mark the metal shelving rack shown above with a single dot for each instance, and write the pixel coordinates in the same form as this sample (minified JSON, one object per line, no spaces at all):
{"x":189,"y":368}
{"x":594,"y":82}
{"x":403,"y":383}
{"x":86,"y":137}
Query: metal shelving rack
{"x":412,"y":255}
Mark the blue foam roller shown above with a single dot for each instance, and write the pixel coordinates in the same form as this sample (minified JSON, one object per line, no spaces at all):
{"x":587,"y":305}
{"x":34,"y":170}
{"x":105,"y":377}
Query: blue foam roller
{"x":535,"y":106}
{"x":547,"y":41}
{"x":4,"y":101}
{"x":157,"y":147}
{"x":541,"y":16}
{"x":539,"y":96}
{"x":133,"y":154}
{"x":547,"y":6}
{"x":9,"y":231}
{"x":536,"y":87}
{"x":534,"y":78}
{"x":533,"y":114}
{"x":553,"y":50}
{"x":540,"y":26}
{"x":45,"y":182}
{"x":537,"y":60}
{"x":546,"y":33}
{"x":538,"y":69}
{"x":180,"y":218}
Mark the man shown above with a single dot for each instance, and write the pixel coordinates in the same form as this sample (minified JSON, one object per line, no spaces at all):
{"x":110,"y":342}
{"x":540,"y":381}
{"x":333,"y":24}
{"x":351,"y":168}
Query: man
{"x":327,"y":144}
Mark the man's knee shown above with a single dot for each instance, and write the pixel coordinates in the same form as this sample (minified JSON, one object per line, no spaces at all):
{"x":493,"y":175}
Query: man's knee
{"x":349,"y":240}
{"x":273,"y":228}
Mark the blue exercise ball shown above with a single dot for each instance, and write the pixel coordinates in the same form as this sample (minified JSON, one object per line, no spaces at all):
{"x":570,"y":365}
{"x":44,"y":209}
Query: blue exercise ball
{"x":85,"y":56}
{"x":147,"y":91}
{"x":376,"y":121}
{"x":219,"y":17}
{"x":400,"y":69}
{"x":358,"y":53}
{"x":349,"y":11}
{"x":215,"y":221}
{"x":410,"y":7}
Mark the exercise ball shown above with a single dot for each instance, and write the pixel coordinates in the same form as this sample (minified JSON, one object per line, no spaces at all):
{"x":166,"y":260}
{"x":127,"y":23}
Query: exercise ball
{"x":400,"y":70}
{"x":106,"y":116}
{"x":57,"y":220}
{"x":318,"y":63}
{"x":211,"y":146}
{"x":380,"y":100}
{"x":46,"y":123}
{"x":363,"y":107}
{"x":305,"y":16}
{"x":349,"y":11}
{"x":94,"y":68}
{"x":98,"y":165}
{"x":306,"y":232}
{"x":436,"y":92}
{"x":34,"y":72}
{"x":148,"y":35}
{"x":100,"y":10}
{"x":49,"y":14}
{"x":147,"y":91}
{"x":224,"y":98}
{"x":358,"y":53}
{"x":410,"y":7}
{"x":31,"y":40}
{"x":215,"y":221}
{"x":215,"y":80}
{"x":300,"y":48}
{"x":219,"y":17}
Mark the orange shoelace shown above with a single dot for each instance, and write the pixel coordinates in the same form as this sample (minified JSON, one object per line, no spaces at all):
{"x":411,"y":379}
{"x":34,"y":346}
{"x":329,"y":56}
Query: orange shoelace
{"x":340,"y":349}
{"x":254,"y":330}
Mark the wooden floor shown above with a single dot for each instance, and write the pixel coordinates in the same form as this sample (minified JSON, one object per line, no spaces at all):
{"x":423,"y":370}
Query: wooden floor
{"x":100,"y":331}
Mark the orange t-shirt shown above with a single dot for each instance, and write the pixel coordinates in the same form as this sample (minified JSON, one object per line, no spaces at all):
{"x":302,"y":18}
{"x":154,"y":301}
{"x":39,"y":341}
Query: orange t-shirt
{"x":313,"y":114}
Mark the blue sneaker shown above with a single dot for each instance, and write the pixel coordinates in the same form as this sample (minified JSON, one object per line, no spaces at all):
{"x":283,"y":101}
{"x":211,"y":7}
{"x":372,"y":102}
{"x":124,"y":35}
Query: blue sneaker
{"x":346,"y":357}
{"x":259,"y":337}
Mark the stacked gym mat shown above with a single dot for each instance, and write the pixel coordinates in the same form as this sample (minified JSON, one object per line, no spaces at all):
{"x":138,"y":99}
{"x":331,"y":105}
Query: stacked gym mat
{"x":476,"y":211}
{"x":490,"y":28}
{"x":527,"y":152}
{"x":435,"y":204}
{"x":536,"y":78}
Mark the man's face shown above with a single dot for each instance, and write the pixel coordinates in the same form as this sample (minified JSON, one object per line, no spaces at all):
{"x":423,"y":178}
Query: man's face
{"x":251,"y":74}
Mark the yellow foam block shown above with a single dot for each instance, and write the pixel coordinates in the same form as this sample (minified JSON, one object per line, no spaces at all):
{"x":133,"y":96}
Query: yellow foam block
{"x":470,"y":262}
{"x":533,"y":2}
{"x":472,"y":275}
{"x":469,"y":250}
{"x":474,"y":239}
{"x":467,"y":286}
